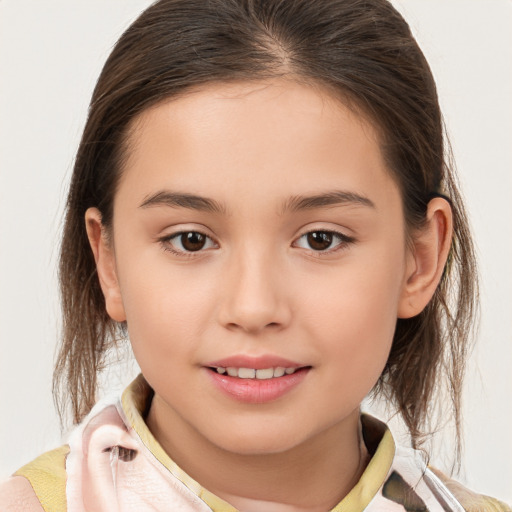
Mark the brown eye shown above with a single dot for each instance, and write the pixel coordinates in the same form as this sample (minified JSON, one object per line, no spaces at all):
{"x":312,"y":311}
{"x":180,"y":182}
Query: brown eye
{"x":193,"y":241}
{"x":323,"y":241}
{"x":319,"y":240}
{"x":187,"y":242}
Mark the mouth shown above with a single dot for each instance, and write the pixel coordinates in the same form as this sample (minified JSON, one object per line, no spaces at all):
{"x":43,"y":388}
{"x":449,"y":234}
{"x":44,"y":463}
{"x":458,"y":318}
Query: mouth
{"x":255,"y":373}
{"x":256,"y":380}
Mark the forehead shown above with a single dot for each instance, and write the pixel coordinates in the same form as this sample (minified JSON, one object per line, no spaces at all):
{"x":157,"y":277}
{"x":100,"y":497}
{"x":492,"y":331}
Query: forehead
{"x":273,"y":137}
{"x":259,"y":103}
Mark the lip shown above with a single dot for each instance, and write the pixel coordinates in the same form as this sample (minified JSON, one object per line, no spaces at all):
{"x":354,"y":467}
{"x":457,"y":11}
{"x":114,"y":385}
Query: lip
{"x":256,"y":391}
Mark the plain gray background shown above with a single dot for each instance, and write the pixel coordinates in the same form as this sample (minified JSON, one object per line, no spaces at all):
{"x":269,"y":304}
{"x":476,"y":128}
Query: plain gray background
{"x":51,"y":53}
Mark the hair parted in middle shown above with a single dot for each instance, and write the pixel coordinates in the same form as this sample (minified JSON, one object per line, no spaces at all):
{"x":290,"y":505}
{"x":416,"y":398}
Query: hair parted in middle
{"x":363,"y":52}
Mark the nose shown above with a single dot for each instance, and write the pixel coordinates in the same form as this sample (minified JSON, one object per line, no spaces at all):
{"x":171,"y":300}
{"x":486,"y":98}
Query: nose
{"x":254,"y":294}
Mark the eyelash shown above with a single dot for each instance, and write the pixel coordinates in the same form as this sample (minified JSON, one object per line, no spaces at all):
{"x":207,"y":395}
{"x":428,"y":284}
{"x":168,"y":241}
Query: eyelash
{"x":166,"y":243}
{"x":343,"y":242}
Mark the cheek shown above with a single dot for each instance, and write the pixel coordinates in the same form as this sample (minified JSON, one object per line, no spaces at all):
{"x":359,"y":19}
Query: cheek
{"x":166,"y":310}
{"x":356,"y":316}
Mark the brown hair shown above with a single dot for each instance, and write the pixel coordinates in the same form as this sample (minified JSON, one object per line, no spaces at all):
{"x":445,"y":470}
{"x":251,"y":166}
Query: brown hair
{"x":365,"y":51}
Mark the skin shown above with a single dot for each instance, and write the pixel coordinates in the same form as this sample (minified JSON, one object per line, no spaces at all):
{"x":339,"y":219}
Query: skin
{"x":258,"y":287}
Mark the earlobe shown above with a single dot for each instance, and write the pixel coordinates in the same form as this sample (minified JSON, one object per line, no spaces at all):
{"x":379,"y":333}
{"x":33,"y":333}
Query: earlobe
{"x":105,"y":264}
{"x":426,"y":259}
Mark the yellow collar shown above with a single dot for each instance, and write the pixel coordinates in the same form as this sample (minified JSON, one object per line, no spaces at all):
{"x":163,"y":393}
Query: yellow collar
{"x":378,"y":439}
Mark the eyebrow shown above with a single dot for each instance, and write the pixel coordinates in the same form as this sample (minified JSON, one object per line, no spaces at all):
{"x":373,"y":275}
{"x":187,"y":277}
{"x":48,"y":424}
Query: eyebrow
{"x":330,"y":198}
{"x":183,"y":200}
{"x":293,"y":204}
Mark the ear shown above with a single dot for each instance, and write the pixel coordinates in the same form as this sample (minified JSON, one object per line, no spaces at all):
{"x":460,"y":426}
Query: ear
{"x":104,"y":256}
{"x":426,"y":259}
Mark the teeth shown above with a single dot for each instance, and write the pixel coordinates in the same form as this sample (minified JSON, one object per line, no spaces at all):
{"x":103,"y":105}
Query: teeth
{"x":251,"y":373}
{"x":268,"y":373}
{"x":279,"y":371}
{"x":232,"y":372}
{"x":247,"y":373}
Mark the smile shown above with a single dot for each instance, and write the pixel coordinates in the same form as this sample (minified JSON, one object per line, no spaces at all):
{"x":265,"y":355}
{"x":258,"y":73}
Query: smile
{"x":256,"y":385}
{"x":253,"y":373}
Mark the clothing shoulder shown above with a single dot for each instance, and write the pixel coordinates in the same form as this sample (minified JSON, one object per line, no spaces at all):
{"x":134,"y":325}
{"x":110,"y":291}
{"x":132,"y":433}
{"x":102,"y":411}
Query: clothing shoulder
{"x":17,"y":495}
{"x":471,"y":501}
{"x":39,"y":486}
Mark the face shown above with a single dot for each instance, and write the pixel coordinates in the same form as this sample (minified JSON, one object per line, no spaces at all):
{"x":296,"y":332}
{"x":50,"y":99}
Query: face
{"x":256,"y":233}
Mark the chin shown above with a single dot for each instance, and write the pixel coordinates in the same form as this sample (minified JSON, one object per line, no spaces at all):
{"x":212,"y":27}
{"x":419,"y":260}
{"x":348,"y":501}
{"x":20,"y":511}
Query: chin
{"x":264,"y":441}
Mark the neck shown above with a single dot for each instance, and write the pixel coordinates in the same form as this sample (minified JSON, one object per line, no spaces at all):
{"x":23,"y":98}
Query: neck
{"x":313,"y":476}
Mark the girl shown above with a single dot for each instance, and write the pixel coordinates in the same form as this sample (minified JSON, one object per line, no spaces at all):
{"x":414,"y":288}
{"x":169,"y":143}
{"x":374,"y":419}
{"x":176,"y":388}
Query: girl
{"x":262,"y":202}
